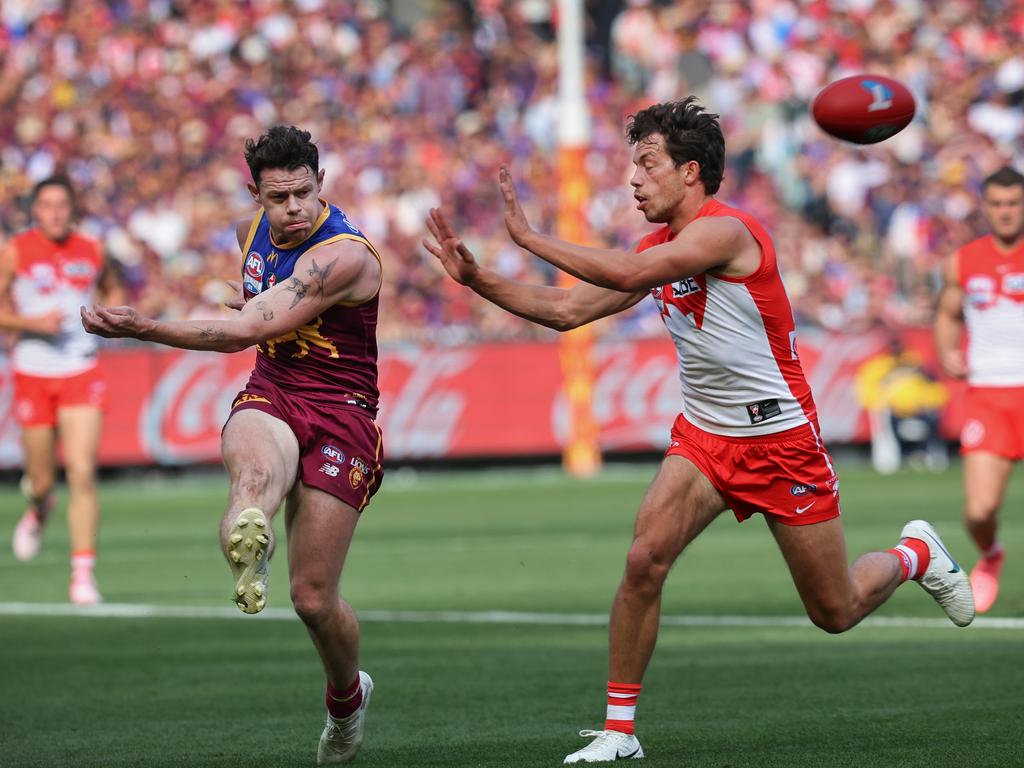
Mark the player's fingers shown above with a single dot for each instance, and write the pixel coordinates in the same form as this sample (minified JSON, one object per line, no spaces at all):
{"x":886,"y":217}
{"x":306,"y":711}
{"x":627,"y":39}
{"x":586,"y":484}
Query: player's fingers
{"x":464,"y":252}
{"x":432,"y":225}
{"x":443,"y":227}
{"x":431,"y":247}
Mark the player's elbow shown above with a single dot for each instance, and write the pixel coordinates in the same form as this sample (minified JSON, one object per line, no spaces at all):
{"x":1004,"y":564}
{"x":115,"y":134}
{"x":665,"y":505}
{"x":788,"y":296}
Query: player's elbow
{"x":626,"y":281}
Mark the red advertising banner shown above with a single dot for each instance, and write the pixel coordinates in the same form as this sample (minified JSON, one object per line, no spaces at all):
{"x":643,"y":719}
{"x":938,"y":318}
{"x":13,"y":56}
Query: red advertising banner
{"x":167,"y":406}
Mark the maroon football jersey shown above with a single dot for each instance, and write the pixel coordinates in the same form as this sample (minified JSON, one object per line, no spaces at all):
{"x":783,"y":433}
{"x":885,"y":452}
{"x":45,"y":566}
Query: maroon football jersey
{"x":333,"y":358}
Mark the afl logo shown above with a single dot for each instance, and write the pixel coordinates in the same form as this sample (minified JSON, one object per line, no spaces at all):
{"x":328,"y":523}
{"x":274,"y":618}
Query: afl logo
{"x":254,"y":265}
{"x":802,"y":489}
{"x":332,"y":453}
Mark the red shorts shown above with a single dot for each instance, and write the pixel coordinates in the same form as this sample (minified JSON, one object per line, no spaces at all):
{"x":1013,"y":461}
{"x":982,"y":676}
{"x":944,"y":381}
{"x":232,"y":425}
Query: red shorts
{"x":787,"y":476}
{"x":340,"y":449}
{"x":38,"y":398}
{"x":994,"y":422}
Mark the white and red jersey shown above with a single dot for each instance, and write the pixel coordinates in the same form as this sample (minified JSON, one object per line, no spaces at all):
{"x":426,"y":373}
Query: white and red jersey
{"x":736,"y":343}
{"x":993,"y":305}
{"x":51,"y":276}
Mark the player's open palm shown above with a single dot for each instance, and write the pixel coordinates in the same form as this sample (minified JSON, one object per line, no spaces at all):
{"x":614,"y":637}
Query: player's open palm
{"x":113,"y":322}
{"x":455,"y":257}
{"x":515,"y":220}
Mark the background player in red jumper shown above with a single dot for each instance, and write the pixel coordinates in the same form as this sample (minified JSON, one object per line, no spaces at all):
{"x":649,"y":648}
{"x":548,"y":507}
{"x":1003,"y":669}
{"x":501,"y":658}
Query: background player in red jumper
{"x":46,"y":273}
{"x":748,"y":436}
{"x":303,"y":430}
{"x":984,"y":290}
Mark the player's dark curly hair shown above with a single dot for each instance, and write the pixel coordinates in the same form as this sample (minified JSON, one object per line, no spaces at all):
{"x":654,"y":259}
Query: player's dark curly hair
{"x":283,"y":146}
{"x":691,"y":133}
{"x":1007,"y":176}
{"x":58,"y":180}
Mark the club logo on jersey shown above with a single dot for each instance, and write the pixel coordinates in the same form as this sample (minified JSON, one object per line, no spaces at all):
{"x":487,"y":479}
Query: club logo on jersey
{"x":881,"y":96}
{"x":762,"y":411}
{"x":802,"y":489}
{"x":361,"y":465}
{"x":333,"y":453}
{"x":355,"y":477}
{"x":254,"y":265}
{"x":980,"y":289}
{"x":1013,"y":282}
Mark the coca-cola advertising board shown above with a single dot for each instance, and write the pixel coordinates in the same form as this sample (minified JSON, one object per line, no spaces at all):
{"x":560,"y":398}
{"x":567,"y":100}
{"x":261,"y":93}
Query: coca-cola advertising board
{"x":167,"y":407}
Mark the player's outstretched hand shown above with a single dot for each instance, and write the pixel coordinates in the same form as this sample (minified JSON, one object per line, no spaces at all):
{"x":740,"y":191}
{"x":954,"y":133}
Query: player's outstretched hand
{"x":238,"y":300}
{"x":113,"y":322}
{"x":455,"y":257}
{"x":515,"y":220}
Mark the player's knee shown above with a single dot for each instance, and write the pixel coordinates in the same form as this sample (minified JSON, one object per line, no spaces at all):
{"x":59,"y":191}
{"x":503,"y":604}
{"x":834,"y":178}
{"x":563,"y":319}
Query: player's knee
{"x":312,"y":602}
{"x":645,"y":571}
{"x":980,"y":512}
{"x":832,"y":619}
{"x":80,"y":475}
{"x":253,"y":480}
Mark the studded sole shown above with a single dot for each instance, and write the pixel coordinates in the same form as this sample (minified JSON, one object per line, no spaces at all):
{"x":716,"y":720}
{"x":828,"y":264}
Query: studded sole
{"x":248,"y":548}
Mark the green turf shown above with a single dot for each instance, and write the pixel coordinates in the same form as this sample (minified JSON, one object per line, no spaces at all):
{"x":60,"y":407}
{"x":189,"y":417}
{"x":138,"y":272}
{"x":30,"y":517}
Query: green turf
{"x":175,"y":692}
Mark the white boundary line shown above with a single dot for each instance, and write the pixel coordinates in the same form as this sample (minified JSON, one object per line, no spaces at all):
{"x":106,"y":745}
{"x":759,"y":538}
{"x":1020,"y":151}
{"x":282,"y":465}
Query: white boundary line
{"x":141,"y":611}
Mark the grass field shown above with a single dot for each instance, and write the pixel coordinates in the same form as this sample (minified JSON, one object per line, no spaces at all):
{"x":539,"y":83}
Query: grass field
{"x":456,"y":686}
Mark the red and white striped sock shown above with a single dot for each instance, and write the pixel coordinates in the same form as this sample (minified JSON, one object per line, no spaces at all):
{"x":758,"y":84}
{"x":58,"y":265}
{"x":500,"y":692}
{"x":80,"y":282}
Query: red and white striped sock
{"x":914,"y":557}
{"x":82,"y":563}
{"x":621,"y":706}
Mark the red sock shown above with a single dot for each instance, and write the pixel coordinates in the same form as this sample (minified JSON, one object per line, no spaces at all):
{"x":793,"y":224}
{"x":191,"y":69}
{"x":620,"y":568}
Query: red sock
{"x":342,"y":703}
{"x":621,"y":706}
{"x":914,"y":557}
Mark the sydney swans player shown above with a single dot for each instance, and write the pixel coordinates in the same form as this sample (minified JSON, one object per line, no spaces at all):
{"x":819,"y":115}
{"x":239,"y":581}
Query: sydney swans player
{"x":984,"y":290}
{"x":748,"y":437}
{"x":303,"y":430}
{"x":46,"y":273}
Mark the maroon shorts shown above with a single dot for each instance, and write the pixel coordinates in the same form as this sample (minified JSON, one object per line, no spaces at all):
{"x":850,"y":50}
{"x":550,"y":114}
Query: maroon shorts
{"x":994,"y":422}
{"x":340,"y":449}
{"x":787,"y":476}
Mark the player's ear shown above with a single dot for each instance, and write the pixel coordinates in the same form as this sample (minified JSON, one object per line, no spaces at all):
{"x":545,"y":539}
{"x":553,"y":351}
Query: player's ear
{"x":691,"y":172}
{"x":320,"y":179}
{"x":255,"y":192}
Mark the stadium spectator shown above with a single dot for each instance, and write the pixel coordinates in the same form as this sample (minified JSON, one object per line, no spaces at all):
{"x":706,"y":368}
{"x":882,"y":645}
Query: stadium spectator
{"x":436,"y":105}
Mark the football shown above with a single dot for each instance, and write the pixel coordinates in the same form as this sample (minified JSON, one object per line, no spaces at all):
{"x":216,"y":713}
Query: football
{"x":863,"y":109}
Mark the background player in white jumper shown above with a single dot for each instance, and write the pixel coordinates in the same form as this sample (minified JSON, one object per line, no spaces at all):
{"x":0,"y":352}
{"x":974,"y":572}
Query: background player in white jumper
{"x":46,"y":273}
{"x":984,"y":289}
{"x":748,"y":436}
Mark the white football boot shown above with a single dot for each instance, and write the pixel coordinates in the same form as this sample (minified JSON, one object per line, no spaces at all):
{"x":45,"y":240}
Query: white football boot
{"x":249,"y":558}
{"x":28,"y":533}
{"x":944,"y":579}
{"x":606,"y":747}
{"x":83,"y":589}
{"x":342,"y":737}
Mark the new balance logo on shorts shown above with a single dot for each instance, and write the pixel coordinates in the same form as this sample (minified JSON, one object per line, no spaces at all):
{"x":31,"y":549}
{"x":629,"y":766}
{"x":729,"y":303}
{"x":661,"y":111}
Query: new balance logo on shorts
{"x":330,"y":470}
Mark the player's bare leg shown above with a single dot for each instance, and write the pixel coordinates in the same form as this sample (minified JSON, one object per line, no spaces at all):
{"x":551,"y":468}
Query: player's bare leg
{"x":678,"y":505}
{"x":38,"y":445}
{"x":985,"y":478}
{"x":79,"y":428}
{"x":261,"y":456}
{"x":320,"y":529}
{"x":837,"y":596}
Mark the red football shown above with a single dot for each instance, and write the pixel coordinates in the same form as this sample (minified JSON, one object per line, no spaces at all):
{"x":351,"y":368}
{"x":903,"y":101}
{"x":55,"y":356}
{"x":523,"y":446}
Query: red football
{"x":864,"y":109}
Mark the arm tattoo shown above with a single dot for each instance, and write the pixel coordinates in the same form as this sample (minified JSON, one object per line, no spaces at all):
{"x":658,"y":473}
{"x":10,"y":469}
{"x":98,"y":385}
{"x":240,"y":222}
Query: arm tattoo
{"x":321,"y":275}
{"x":268,"y":314}
{"x":210,"y":333}
{"x":299,"y":288}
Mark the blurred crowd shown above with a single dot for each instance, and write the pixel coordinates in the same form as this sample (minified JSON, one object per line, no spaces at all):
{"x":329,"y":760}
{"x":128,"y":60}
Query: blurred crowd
{"x":146,"y":104}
